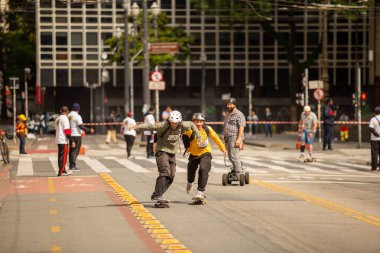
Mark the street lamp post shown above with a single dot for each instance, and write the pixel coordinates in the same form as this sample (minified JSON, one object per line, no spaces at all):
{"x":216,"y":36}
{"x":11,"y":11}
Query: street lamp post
{"x":126,"y":57}
{"x":135,"y":10}
{"x":104,"y":79}
{"x":145,"y":41}
{"x":27,"y":72}
{"x":155,"y":11}
{"x":250,"y":88}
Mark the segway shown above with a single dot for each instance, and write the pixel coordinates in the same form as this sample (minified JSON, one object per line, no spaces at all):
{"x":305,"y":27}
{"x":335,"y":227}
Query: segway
{"x":242,"y":177}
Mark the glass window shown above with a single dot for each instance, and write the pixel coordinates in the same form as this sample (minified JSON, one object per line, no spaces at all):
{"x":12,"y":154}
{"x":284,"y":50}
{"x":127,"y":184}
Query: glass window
{"x":180,"y":4}
{"x":61,"y":38}
{"x":106,"y":20}
{"x":46,"y":57}
{"x":92,"y":57}
{"x":46,"y":38}
{"x":46,"y":19}
{"x":91,"y":76}
{"x":76,"y":19}
{"x":45,"y":3}
{"x":61,"y":19}
{"x":92,"y":39}
{"x":76,"y":39}
{"x":47,"y":77}
{"x":224,"y":39}
{"x":76,"y":57}
{"x":239,"y":39}
{"x":62,"y":77}
{"x":77,"y":77}
{"x":92,"y":20}
{"x":210,"y":38}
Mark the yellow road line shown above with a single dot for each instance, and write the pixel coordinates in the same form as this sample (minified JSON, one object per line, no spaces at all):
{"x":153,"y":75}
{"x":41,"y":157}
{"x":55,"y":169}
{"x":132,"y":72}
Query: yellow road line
{"x":153,"y":226}
{"x":55,"y":249}
{"x":51,"y":185}
{"x":55,"y":229}
{"x":320,"y":202}
{"x":53,"y":212}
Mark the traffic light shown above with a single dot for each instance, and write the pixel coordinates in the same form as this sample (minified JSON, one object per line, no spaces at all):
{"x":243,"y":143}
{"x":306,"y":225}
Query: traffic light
{"x":300,"y":99}
{"x":363,"y":99}
{"x":354,"y":101}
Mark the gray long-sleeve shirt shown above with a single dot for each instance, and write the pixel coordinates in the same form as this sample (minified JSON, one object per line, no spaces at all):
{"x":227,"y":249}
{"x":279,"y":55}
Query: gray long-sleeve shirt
{"x":169,"y":138}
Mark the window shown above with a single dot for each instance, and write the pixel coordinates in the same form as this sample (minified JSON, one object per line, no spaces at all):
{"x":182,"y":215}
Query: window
{"x":62,"y":77}
{"x":61,"y":38}
{"x":76,"y":39}
{"x":92,"y":39}
{"x":77,"y":77}
{"x":46,"y":38}
{"x":47,"y":77}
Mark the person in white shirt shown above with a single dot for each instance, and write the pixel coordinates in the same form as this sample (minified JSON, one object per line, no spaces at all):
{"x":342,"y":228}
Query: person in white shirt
{"x":308,"y":123}
{"x":149,"y":119}
{"x":76,"y":126}
{"x":374,"y":128}
{"x":62,"y":136}
{"x":129,"y":135}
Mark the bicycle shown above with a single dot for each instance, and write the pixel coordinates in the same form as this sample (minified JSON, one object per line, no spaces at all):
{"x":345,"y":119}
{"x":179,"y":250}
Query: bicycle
{"x":3,"y":145}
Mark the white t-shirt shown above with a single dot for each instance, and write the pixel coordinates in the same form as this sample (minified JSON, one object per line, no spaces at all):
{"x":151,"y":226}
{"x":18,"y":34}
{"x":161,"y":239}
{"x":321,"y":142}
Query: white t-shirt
{"x":375,"y":124}
{"x":308,"y":121}
{"x":149,"y":119}
{"x":127,"y":122}
{"x":75,"y":121}
{"x":61,"y":123}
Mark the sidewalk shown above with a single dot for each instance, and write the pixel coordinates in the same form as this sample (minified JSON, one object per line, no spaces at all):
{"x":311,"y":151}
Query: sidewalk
{"x":288,"y":140}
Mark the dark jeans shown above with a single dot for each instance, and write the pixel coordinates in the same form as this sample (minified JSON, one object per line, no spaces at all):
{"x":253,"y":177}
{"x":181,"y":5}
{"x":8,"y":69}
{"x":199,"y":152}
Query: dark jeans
{"x":149,"y":146}
{"x":268,"y":130}
{"x":375,"y":154}
{"x":129,"y":140}
{"x":22,"y":143}
{"x":166,"y":164}
{"x":74,"y":152}
{"x":204,"y":163}
{"x":328,"y":131}
{"x":63,"y":149}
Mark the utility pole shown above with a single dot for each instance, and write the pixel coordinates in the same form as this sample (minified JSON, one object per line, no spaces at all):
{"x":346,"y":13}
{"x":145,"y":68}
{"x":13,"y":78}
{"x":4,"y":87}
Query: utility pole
{"x":306,"y":83}
{"x":126,"y":58}
{"x":325,"y":60}
{"x":145,"y":41}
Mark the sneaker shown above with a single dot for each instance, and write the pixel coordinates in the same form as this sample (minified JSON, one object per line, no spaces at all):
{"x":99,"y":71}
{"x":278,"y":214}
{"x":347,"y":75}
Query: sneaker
{"x":74,"y":169}
{"x":156,"y":198}
{"x":199,"y":195}
{"x":64,"y":174}
{"x":189,"y":187}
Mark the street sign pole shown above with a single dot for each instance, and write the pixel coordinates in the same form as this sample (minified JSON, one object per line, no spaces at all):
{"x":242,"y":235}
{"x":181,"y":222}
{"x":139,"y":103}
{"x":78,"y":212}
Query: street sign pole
{"x":306,"y":86}
{"x":359,"y":108}
{"x":14,"y":80}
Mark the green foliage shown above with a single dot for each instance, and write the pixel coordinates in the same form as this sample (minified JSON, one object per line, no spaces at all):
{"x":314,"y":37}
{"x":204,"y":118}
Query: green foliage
{"x":165,"y":33}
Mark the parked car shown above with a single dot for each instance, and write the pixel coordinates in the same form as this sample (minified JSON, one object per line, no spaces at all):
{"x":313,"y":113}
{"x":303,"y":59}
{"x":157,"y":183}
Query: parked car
{"x":51,"y":123}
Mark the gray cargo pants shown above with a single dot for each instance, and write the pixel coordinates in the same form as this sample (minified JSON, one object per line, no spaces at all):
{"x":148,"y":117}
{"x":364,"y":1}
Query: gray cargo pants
{"x":166,"y":164}
{"x":233,"y":154}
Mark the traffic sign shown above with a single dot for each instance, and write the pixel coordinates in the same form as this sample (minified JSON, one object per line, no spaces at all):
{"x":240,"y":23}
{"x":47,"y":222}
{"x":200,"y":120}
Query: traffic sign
{"x":156,"y":85}
{"x":163,"y":48}
{"x":156,"y":76}
{"x":318,"y":94}
{"x":315,"y":84}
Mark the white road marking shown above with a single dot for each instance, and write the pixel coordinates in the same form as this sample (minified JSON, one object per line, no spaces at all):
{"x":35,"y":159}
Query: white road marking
{"x":348,"y":170}
{"x":219,"y":161}
{"x":94,"y":164}
{"x":42,"y":147}
{"x":355,"y":165}
{"x":128,"y":164}
{"x":54,"y":163}
{"x":104,"y":146}
{"x":306,"y":167}
{"x":25,"y":167}
{"x":273,"y":167}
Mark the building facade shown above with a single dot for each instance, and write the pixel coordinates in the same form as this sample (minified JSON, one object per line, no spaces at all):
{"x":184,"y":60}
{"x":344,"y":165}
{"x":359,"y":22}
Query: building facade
{"x":70,"y":44}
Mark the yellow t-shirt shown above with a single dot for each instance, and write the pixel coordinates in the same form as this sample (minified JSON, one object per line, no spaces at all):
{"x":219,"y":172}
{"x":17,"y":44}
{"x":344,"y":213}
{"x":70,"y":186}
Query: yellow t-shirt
{"x":195,"y":150}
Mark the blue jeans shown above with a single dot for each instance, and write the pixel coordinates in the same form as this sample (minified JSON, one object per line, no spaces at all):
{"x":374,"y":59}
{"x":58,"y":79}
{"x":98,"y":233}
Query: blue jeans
{"x":22,"y":143}
{"x":268,"y":130}
{"x":328,"y":131}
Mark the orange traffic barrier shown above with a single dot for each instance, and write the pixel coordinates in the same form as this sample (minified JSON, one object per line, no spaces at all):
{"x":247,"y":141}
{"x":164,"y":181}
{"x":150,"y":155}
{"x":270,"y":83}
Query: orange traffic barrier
{"x":82,"y":150}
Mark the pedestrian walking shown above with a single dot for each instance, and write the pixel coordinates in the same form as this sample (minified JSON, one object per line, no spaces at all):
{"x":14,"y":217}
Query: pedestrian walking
{"x":328,"y":118}
{"x":129,"y":135}
{"x":76,"y":127}
{"x":268,"y":126}
{"x":169,"y":134}
{"x":149,"y":119}
{"x":234,"y":124}
{"x":374,"y":127}
{"x":21,"y":131}
{"x":62,"y":137}
{"x":200,"y":156}
{"x":308,"y":123}
{"x":111,"y":128}
{"x":253,"y":126}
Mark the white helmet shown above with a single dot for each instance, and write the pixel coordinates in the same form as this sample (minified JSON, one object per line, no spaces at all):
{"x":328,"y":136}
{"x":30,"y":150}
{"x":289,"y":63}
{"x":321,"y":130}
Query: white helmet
{"x":175,"y":117}
{"x":307,"y":108}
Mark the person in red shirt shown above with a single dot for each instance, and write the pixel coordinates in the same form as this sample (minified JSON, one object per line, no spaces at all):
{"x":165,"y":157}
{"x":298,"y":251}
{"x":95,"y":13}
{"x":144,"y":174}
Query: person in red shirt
{"x":21,"y":132}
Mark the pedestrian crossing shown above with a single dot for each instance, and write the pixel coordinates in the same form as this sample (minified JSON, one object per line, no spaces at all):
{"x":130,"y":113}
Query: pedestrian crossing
{"x":34,"y":166}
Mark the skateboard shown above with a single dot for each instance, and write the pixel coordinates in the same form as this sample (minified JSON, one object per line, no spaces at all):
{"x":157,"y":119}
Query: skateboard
{"x":308,"y":159}
{"x":162,"y":204}
{"x":199,"y":201}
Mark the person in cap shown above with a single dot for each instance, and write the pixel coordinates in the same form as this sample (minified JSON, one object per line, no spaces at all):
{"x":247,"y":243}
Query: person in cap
{"x":129,"y":135}
{"x":62,"y":137}
{"x":21,"y":132}
{"x":76,"y":126}
{"x":200,"y":155}
{"x":308,"y":127}
{"x":234,"y":124}
{"x":374,"y":128}
{"x":168,"y":136}
{"x":328,"y":117}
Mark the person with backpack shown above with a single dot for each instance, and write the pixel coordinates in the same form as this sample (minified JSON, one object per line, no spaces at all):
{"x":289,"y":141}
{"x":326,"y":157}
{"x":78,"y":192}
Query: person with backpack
{"x":374,"y":128}
{"x":168,"y":140}
{"x":200,"y":156}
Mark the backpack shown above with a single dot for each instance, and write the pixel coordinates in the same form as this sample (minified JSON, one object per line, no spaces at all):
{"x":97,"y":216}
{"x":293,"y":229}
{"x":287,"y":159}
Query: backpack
{"x":187,"y":140}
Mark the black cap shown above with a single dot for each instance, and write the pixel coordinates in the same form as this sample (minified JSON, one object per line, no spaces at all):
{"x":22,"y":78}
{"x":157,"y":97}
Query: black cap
{"x":231,"y":100}
{"x":377,"y":110}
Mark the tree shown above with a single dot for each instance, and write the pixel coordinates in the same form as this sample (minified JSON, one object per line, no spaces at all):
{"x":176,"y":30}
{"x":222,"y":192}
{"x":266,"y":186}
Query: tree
{"x":260,"y":12}
{"x":165,"y":33}
{"x":17,"y":42}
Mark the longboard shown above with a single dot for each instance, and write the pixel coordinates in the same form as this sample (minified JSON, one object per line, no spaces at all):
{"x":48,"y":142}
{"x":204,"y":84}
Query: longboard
{"x":162,"y":204}
{"x":199,"y":201}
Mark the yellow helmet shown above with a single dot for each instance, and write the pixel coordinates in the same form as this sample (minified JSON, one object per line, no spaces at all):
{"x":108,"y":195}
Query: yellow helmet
{"x":22,"y":117}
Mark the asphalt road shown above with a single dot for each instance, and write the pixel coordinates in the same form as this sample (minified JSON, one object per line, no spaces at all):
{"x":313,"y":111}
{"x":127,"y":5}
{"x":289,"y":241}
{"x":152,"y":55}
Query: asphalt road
{"x":328,"y":206}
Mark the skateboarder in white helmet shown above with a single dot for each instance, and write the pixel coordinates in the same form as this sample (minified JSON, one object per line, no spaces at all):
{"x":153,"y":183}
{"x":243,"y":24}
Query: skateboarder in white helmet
{"x":308,"y":124}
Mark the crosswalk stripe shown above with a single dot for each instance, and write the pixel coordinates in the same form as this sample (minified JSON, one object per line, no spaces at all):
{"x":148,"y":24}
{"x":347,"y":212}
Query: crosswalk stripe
{"x":54,"y":163}
{"x":122,"y":145}
{"x":94,"y":164}
{"x":129,"y":164}
{"x":219,"y":161}
{"x":306,"y":167}
{"x":274,"y":167}
{"x":178,"y":168}
{"x":354,"y":165}
{"x":341,"y":169}
{"x":25,"y":167}
{"x":42,"y":147}
{"x":104,"y":146}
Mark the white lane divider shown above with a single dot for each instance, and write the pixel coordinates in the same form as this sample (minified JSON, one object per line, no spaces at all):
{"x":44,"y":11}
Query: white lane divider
{"x":25,"y":167}
{"x":128,"y":164}
{"x":94,"y":164}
